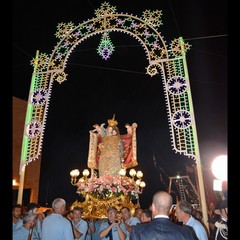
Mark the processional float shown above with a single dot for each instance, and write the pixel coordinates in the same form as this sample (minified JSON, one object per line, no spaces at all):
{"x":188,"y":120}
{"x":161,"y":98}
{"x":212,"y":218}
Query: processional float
{"x":110,"y":155}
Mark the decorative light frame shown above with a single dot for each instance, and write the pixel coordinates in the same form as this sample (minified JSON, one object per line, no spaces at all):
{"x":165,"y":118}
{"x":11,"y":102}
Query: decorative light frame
{"x":169,"y":61}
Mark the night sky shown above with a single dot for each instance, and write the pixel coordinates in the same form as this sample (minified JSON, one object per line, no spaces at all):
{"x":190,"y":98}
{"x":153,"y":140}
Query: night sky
{"x":96,"y":89}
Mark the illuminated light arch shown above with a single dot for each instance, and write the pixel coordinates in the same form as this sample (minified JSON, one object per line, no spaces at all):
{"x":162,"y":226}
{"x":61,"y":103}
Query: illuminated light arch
{"x":170,"y":64}
{"x":169,"y":61}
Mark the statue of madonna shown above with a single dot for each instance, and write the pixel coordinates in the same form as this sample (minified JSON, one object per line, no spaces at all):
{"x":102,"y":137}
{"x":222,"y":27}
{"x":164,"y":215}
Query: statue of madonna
{"x":109,"y":151}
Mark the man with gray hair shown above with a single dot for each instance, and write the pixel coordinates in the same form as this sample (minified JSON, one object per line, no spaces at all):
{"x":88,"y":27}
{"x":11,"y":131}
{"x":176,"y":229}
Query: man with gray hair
{"x":183,"y":213}
{"x":56,"y":226}
{"x":28,"y":230}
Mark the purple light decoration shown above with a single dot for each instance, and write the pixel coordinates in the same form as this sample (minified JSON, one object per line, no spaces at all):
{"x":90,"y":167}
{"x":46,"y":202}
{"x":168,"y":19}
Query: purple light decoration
{"x":105,"y":48}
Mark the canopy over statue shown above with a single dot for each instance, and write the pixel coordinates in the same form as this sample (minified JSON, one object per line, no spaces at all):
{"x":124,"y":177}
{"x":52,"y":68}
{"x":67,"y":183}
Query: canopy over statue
{"x":109,"y":151}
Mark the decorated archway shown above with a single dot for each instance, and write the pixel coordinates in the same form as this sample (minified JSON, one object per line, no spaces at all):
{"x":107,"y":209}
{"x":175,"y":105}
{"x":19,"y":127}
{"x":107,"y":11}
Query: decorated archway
{"x":169,"y":61}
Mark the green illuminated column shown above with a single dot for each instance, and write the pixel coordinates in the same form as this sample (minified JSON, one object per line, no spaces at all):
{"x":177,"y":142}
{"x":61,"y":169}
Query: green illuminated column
{"x":25,"y":142}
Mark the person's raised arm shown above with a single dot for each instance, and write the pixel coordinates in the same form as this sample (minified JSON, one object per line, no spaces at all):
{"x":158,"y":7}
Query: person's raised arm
{"x":103,"y":233}
{"x":121,"y":234}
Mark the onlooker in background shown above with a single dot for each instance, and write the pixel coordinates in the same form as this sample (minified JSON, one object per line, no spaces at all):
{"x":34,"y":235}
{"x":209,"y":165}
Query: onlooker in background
{"x":28,"y":230}
{"x":97,"y":223}
{"x":211,"y":208}
{"x":199,"y":216}
{"x":113,"y":228}
{"x":161,"y":227}
{"x":33,"y":207}
{"x":212,"y":218}
{"x":172,"y":215}
{"x":146,"y":216}
{"x":183,"y":214}
{"x":47,"y":212}
{"x":138,"y":213}
{"x":80,"y":226}
{"x":212,"y":222}
{"x":91,"y":228}
{"x":55,"y":226}
{"x":128,"y":220}
{"x":69,"y":216}
{"x":221,"y":226}
{"x":16,"y":216}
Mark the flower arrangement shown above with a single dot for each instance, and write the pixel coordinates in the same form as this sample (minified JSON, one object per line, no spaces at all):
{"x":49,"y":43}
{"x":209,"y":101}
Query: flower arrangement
{"x":106,"y":187}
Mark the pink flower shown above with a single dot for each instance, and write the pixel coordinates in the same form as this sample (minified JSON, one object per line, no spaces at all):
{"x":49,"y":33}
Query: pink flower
{"x":114,"y":189}
{"x":104,"y":186}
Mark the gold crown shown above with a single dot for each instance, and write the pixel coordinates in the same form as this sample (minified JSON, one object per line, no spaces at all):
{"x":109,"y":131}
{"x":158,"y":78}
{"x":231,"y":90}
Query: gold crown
{"x":112,"y":122}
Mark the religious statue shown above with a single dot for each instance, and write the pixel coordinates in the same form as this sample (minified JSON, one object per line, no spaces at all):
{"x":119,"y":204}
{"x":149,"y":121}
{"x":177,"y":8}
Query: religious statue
{"x":109,"y":151}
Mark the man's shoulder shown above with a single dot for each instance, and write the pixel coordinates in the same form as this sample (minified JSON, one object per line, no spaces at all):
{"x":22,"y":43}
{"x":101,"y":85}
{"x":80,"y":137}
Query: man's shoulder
{"x":84,"y":222}
{"x":53,"y":218}
{"x":18,"y":224}
{"x":168,"y":224}
{"x":134,"y":221}
{"x":169,"y":229}
{"x":103,"y":224}
{"x":141,"y":226}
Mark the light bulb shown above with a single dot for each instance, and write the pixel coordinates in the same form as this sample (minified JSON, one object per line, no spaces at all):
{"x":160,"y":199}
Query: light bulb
{"x":122,"y":172}
{"x":138,"y":182}
{"x":132,"y":172}
{"x":85,"y":172}
{"x":139,"y":174}
{"x":142,"y":184}
{"x":74,"y":173}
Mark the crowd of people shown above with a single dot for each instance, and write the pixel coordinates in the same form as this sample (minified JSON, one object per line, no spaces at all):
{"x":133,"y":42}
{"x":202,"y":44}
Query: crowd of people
{"x":155,"y":222}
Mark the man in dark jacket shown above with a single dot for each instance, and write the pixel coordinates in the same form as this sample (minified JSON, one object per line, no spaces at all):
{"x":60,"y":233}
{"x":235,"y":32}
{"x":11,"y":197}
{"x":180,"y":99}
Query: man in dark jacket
{"x":161,"y":227}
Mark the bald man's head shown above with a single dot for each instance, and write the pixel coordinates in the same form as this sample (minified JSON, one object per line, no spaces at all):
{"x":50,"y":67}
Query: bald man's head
{"x":162,"y":203}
